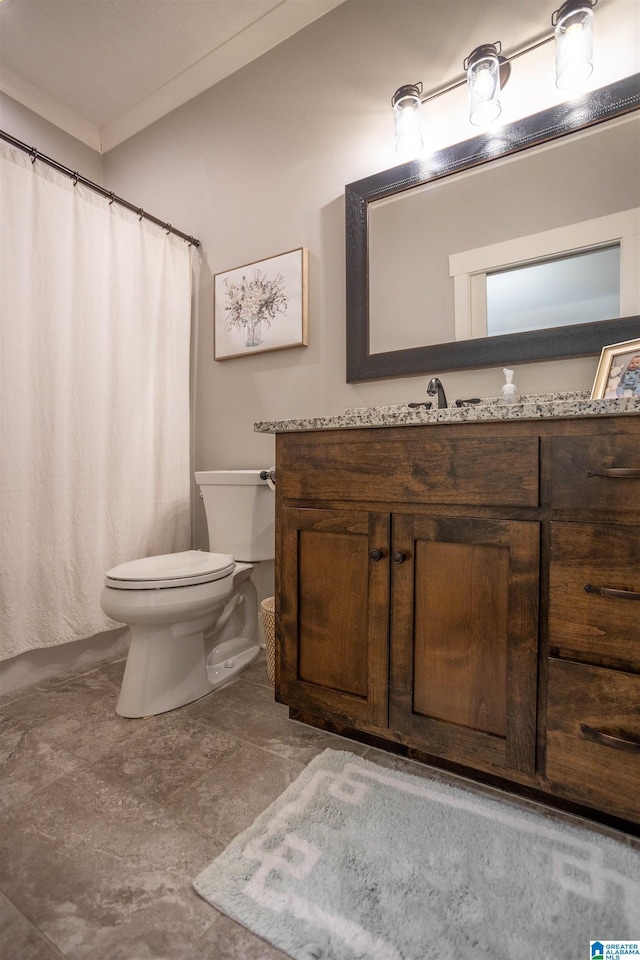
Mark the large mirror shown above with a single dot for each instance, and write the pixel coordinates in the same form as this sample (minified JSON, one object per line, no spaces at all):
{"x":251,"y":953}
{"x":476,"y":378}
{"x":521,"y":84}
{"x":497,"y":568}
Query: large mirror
{"x":409,"y":229}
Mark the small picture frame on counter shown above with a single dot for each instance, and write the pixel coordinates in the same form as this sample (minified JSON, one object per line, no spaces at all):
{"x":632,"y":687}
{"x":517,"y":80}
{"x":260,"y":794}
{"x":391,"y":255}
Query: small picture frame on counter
{"x":618,"y":373}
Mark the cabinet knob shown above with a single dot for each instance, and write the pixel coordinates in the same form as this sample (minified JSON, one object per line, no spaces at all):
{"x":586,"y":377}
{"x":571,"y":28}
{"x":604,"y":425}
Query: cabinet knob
{"x":376,"y":555}
{"x":399,"y":557}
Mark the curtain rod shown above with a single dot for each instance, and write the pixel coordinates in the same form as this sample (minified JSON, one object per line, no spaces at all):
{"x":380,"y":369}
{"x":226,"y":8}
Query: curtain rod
{"x":108,"y":194}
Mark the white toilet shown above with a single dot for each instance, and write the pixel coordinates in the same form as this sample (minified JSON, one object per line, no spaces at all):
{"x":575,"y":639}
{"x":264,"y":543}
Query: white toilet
{"x":193,"y":616}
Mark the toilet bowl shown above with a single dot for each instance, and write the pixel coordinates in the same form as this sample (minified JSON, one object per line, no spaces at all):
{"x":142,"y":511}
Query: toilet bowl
{"x":193,"y":616}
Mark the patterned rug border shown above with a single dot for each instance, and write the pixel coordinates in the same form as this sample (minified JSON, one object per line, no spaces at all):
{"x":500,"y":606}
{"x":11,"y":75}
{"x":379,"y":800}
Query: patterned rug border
{"x":248,"y":881}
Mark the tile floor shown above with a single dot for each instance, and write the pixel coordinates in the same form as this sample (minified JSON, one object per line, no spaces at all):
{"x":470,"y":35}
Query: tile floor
{"x":104,"y":822}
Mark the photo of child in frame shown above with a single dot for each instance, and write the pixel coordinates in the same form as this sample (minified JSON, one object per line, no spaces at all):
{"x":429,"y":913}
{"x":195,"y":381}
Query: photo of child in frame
{"x":624,"y":376}
{"x":618,"y":373}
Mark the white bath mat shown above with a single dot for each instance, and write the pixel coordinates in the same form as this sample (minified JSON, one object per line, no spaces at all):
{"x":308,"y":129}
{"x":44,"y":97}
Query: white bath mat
{"x":358,"y":862}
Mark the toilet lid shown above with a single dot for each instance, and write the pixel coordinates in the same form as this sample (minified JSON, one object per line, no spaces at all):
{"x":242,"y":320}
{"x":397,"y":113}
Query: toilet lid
{"x":170,"y":570}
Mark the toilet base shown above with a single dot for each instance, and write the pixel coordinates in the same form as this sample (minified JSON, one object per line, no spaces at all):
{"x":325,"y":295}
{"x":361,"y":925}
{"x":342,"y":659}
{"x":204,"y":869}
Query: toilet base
{"x":171,"y":666}
{"x":228,"y":659}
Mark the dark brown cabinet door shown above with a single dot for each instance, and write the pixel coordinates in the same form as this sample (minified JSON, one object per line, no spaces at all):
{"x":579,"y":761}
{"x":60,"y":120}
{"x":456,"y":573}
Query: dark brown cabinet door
{"x":465,"y":635}
{"x":334,"y":612}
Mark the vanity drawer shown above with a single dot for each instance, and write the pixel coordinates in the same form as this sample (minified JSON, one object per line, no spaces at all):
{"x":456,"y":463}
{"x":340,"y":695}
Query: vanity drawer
{"x":414,"y":466}
{"x":593,"y":737}
{"x":595,"y":472}
{"x":585,"y":623}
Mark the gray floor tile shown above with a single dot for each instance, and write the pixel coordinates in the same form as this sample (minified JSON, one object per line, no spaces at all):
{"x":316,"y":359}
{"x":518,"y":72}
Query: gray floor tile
{"x":229,"y":798}
{"x":9,"y":697}
{"x":250,"y":712}
{"x":32,"y":688}
{"x":27,"y":762}
{"x":161,"y":755}
{"x":19,"y":939}
{"x":112,"y":671}
{"x":107,"y":821}
{"x":74,"y":699}
{"x":257,"y":672}
{"x":227,"y":940}
{"x":156,"y":755}
{"x":104,"y":873}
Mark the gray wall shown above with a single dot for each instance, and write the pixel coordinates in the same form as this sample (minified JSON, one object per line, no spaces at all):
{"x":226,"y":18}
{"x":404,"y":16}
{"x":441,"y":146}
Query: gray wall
{"x":25,"y":125}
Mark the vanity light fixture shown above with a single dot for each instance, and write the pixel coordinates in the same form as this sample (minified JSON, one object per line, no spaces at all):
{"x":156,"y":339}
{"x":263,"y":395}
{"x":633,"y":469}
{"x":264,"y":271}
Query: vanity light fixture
{"x":573,"y":32}
{"x":483,"y":81}
{"x":407,"y":108}
{"x":486,"y":73}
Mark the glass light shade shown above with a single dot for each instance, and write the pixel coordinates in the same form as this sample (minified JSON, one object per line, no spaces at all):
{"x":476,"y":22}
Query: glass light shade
{"x":407,"y":109}
{"x":573,"y":32}
{"x":483,"y":82}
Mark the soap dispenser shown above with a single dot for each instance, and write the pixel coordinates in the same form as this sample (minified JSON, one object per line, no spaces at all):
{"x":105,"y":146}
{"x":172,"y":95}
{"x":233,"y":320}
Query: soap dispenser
{"x":509,"y":389}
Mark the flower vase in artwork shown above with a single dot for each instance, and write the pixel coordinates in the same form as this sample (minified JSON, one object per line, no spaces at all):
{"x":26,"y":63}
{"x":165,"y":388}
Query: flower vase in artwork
{"x":253,"y":332}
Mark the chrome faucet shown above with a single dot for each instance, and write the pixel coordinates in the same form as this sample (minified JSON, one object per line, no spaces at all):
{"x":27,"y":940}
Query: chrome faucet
{"x":435,"y":388}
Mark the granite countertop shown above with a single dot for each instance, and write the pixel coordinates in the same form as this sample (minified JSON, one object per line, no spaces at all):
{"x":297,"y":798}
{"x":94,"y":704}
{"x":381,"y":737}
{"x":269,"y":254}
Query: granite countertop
{"x":537,"y":407}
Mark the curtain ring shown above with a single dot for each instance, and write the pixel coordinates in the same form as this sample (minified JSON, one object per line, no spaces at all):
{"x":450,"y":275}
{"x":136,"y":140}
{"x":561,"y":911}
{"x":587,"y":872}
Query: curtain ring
{"x":140,"y":213}
{"x":112,"y":197}
{"x":33,"y":153}
{"x":76,"y":176}
{"x":169,"y":228}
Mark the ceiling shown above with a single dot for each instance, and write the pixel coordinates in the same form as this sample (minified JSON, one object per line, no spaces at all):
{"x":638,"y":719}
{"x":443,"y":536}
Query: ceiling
{"x":102,"y":70}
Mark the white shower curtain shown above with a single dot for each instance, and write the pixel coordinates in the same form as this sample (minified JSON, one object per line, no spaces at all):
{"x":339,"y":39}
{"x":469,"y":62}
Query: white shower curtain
{"x":94,"y":400}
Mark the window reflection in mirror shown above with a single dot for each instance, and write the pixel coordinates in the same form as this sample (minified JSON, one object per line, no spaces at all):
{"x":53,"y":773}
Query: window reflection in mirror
{"x":580,"y":288}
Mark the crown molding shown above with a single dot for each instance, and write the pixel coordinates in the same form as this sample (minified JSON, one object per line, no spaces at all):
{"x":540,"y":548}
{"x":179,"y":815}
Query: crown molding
{"x":49,"y":109}
{"x":263,"y":35}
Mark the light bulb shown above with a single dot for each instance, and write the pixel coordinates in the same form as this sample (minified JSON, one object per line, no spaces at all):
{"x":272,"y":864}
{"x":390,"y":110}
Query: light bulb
{"x":574,"y":43}
{"x":483,"y":82}
{"x":484,"y":85}
{"x":407,"y":108}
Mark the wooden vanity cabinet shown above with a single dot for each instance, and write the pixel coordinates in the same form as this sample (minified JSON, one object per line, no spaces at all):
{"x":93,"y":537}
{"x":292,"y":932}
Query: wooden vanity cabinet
{"x":593,"y":697}
{"x":430,"y":587}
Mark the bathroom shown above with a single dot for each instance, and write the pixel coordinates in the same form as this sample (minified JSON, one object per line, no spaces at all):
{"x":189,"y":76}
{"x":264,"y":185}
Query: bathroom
{"x":289,"y":182}
{"x":251,"y":184}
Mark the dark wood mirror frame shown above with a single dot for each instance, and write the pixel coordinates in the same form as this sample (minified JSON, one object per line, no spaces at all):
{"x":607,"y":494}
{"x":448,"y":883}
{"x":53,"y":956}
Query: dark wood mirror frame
{"x":607,"y":103}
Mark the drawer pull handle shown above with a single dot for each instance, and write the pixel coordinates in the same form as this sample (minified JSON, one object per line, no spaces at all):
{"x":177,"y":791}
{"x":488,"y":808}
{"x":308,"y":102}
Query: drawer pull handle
{"x":376,"y":555}
{"x":628,"y":473}
{"x":399,"y":557}
{"x":609,"y":740}
{"x":612,"y":594}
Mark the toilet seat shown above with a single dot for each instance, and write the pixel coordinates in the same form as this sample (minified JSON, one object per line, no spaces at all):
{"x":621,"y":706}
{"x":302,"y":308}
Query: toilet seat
{"x":170,"y":570}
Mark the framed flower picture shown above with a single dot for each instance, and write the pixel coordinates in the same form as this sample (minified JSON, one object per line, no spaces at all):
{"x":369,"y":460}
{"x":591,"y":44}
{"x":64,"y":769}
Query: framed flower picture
{"x":261,"y":306}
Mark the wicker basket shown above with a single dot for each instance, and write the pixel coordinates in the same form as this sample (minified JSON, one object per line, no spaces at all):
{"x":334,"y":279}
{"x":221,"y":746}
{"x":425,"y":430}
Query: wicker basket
{"x":268,"y":608}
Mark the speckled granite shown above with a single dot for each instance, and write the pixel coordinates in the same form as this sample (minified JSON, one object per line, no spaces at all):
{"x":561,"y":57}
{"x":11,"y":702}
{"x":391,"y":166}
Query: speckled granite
{"x":538,"y":407}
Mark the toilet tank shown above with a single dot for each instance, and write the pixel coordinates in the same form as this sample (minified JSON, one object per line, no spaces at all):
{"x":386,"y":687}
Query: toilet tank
{"x":240,"y":509}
